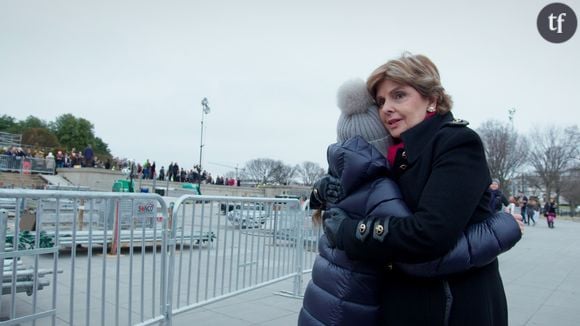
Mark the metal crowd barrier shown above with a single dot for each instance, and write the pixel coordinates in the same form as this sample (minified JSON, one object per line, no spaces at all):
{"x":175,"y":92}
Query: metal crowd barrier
{"x":256,"y":242}
{"x":77,"y":264}
{"x":26,"y":165}
{"x":126,"y":259}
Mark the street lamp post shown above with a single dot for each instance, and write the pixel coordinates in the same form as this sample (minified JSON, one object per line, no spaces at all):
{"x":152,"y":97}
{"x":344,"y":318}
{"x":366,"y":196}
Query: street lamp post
{"x":511,"y":113}
{"x":205,"y":110}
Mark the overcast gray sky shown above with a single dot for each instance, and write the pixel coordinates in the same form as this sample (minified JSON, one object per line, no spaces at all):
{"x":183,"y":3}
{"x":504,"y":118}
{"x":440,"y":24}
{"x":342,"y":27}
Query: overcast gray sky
{"x":139,"y":69}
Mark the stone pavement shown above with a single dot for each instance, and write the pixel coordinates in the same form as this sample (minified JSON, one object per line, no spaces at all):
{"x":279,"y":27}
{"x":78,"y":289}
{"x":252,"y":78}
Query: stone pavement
{"x":541,"y":276}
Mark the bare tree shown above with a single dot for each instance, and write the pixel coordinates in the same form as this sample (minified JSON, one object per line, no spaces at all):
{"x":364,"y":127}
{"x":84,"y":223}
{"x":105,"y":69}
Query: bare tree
{"x":571,"y":188}
{"x":554,"y":152}
{"x":309,"y":172}
{"x":534,"y":182}
{"x":261,"y":170}
{"x":267,"y":171}
{"x":505,"y":149}
{"x":283,"y":174}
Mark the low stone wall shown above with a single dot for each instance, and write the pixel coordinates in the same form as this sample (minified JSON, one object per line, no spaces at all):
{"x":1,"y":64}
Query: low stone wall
{"x":95,"y":179}
{"x":18,"y":180}
{"x":102,"y":180}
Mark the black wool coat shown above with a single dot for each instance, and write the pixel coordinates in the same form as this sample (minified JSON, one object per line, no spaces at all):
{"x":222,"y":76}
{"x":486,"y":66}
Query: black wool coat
{"x":443,"y":175}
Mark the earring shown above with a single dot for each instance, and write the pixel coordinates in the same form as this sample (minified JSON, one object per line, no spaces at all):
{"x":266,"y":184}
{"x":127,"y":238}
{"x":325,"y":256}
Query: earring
{"x":430,"y":109}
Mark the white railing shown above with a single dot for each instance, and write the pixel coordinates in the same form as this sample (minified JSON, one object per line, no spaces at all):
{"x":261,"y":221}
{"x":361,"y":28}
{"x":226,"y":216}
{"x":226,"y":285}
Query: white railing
{"x":26,"y":164}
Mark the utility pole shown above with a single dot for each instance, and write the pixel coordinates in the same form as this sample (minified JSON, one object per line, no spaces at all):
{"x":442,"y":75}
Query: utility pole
{"x":205,"y":110}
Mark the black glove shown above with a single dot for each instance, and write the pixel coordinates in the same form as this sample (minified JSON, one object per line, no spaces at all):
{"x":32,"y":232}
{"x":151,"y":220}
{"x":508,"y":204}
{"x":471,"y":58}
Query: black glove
{"x":331,"y":222}
{"x":326,"y":190}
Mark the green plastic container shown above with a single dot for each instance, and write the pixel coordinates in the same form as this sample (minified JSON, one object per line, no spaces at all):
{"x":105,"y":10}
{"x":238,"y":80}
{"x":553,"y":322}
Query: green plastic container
{"x":192,"y":186}
{"x":122,"y":186}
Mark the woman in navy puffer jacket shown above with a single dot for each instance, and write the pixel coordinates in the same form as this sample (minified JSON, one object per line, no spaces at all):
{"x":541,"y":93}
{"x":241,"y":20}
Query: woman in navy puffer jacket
{"x":347,"y":292}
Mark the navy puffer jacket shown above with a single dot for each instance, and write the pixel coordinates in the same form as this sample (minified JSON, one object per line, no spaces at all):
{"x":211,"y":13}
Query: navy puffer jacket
{"x":347,"y":292}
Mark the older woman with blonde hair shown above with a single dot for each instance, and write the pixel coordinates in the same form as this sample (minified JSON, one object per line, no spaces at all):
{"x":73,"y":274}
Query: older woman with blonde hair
{"x":440,"y":166}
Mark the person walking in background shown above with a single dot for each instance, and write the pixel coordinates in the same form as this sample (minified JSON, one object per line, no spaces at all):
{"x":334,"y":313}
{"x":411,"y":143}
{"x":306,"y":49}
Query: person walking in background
{"x":175,"y":172}
{"x":550,"y":212}
{"x":59,"y":159}
{"x":170,"y":172}
{"x":162,"y":173}
{"x":50,"y":163}
{"x":146,"y":169}
{"x":523,"y":203}
{"x":88,"y":155}
{"x":75,"y":160}
{"x":532,"y":211}
{"x":514,"y":205}
{"x":498,"y":199}
{"x":182,"y":175}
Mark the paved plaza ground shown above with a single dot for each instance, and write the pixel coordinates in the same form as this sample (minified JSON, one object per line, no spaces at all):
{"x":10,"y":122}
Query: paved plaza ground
{"x":541,"y":277}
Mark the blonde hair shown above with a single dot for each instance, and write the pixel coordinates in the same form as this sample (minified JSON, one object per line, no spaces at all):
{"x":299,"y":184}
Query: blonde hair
{"x":417,"y":71}
{"x":317,"y":217}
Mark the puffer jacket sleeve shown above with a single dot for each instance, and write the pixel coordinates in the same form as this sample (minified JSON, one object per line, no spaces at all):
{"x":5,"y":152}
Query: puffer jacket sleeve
{"x":479,"y":245}
{"x":374,"y":198}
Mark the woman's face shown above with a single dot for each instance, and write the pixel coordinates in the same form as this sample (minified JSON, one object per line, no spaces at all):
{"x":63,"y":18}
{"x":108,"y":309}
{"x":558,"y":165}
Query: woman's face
{"x":401,"y":107}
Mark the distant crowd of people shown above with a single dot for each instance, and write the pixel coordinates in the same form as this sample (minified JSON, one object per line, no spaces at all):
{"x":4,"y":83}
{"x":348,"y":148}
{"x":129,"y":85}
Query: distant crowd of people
{"x":529,"y":208}
{"x":86,"y":158}
{"x":61,"y":159}
{"x":175,"y":173}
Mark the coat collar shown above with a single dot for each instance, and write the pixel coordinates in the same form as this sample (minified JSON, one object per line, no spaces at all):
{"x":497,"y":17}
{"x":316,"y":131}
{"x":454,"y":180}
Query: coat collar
{"x":418,"y":137}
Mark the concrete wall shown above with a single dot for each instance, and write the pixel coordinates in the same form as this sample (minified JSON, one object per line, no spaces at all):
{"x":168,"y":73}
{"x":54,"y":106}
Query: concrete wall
{"x":18,"y":180}
{"x":95,"y":179}
{"x":102,"y":180}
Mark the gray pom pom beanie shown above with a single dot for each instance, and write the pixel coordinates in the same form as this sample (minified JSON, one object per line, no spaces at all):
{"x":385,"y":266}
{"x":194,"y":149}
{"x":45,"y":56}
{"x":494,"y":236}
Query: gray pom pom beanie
{"x":360,"y":116}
